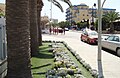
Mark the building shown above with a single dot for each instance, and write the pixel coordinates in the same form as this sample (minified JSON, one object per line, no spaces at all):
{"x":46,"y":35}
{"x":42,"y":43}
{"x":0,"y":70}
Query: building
{"x":78,"y":13}
{"x":44,"y":22}
{"x":55,"y":21}
{"x":82,"y":13}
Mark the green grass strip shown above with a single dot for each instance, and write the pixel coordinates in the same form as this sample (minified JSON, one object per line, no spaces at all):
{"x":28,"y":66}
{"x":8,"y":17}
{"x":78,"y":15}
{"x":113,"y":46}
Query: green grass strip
{"x":44,"y":62}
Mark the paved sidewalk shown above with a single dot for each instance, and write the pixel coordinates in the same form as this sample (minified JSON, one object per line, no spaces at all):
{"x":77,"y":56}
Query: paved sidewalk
{"x":111,"y":63}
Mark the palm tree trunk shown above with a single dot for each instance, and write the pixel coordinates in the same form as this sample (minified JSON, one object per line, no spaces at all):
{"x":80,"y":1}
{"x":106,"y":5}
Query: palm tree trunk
{"x":111,"y":27}
{"x":39,"y":8}
{"x":33,"y":27}
{"x":39,"y":28}
{"x":18,"y":39}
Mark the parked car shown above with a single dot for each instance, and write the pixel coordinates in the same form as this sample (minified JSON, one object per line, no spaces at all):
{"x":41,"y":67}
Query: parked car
{"x":104,"y":36}
{"x":60,"y":30}
{"x":89,"y":36}
{"x":66,"y":29}
{"x":112,"y":43}
{"x":45,"y":31}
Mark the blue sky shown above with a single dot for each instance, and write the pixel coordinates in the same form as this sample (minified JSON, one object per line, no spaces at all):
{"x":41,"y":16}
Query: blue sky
{"x":57,"y":14}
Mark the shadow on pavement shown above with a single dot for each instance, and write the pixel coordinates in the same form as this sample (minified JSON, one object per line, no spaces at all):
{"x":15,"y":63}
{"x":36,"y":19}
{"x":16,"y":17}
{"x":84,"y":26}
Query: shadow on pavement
{"x":109,"y":51}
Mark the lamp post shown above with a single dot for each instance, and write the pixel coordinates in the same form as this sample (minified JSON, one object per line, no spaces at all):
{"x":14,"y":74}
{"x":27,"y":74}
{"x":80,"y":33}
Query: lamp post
{"x":51,"y":11}
{"x":93,"y":16}
{"x":100,"y":71}
{"x":50,"y":17}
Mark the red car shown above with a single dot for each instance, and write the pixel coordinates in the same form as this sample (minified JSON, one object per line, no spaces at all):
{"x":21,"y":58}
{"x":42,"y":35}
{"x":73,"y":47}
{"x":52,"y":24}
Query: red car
{"x":89,"y":36}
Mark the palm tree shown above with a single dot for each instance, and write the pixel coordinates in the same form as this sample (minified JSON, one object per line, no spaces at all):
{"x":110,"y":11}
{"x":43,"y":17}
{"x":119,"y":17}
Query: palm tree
{"x":36,"y":36}
{"x":33,"y":27}
{"x":18,"y":39}
{"x":59,"y":5}
{"x":39,"y":8}
{"x":111,"y":17}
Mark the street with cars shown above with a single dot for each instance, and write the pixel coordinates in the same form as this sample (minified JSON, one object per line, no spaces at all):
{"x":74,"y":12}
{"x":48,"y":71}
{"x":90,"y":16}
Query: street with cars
{"x":88,"y":52}
{"x":108,"y":41}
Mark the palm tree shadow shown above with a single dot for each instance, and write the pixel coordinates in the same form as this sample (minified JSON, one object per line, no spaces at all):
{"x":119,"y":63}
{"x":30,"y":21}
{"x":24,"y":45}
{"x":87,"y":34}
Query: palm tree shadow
{"x":41,"y":66}
{"x":44,"y":54}
{"x":43,"y":48}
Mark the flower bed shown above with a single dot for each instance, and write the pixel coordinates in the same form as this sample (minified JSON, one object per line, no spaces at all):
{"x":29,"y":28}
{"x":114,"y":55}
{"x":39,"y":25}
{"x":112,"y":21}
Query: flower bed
{"x":64,"y":65}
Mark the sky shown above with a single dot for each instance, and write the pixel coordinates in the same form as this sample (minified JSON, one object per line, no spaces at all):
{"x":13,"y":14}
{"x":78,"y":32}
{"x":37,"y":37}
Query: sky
{"x":57,"y":14}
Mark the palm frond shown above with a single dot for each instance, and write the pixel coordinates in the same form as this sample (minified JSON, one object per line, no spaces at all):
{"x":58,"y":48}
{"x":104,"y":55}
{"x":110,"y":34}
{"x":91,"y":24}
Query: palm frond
{"x":57,"y":4}
{"x":68,"y":2}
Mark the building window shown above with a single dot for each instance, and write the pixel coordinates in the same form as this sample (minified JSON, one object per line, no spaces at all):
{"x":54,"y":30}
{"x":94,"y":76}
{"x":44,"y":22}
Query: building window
{"x":81,"y":7}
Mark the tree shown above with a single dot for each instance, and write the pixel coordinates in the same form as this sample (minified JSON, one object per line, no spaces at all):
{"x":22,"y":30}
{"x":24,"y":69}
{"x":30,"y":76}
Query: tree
{"x":81,"y":25}
{"x":111,"y":17}
{"x":105,"y":23}
{"x":18,"y":39}
{"x":1,"y":14}
{"x":54,"y":24}
{"x":59,"y":5}
{"x":33,"y":27}
{"x":63,"y":24}
{"x":39,"y":8}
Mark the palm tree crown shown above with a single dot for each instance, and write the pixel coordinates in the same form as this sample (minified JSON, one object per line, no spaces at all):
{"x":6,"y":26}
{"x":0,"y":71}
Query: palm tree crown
{"x":110,"y":18}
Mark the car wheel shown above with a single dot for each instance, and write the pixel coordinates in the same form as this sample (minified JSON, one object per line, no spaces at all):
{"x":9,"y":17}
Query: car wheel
{"x":88,"y":41}
{"x":81,"y":39}
{"x":118,"y":51}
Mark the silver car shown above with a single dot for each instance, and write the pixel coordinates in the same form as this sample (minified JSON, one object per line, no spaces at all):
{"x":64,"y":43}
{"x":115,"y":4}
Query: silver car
{"x":112,"y":43}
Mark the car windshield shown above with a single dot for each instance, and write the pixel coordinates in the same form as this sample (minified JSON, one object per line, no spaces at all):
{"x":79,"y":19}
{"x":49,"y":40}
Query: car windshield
{"x":93,"y":33}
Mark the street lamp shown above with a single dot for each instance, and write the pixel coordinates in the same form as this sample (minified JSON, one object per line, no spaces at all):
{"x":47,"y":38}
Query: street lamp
{"x":50,"y":22}
{"x":93,"y":16}
{"x":100,"y":71}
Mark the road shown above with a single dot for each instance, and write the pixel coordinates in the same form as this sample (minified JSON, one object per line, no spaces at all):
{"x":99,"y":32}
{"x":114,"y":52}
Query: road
{"x":110,"y":62}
